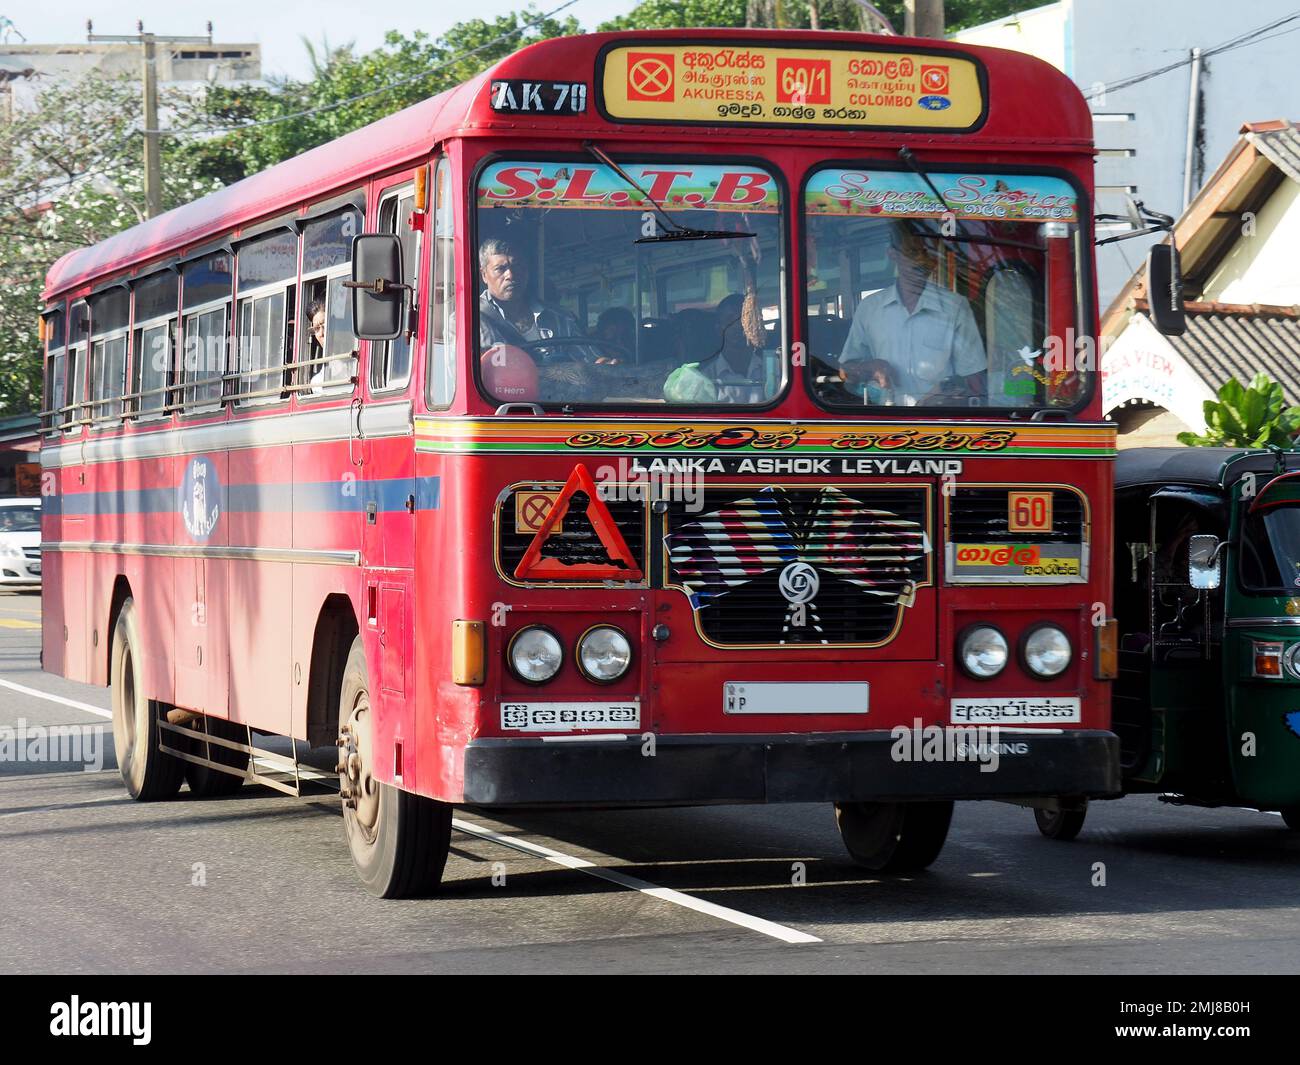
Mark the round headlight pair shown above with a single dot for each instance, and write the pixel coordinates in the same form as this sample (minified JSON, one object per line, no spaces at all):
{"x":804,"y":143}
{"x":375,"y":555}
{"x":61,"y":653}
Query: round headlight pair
{"x":984,"y":653}
{"x":604,"y":654}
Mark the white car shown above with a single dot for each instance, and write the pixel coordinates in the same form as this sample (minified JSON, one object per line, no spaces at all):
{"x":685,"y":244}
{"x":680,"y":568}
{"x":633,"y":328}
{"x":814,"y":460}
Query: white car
{"x":20,"y":543}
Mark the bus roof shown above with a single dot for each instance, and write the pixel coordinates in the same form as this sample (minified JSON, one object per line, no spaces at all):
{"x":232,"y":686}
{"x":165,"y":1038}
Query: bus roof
{"x":1041,"y":111}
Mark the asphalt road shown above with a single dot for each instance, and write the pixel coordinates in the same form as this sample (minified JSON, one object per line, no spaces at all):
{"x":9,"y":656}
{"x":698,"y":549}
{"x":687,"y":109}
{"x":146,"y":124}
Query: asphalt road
{"x":93,"y":882}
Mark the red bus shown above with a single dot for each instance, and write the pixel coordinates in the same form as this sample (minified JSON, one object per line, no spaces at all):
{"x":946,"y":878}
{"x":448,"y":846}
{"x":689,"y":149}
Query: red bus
{"x":657,"y":418}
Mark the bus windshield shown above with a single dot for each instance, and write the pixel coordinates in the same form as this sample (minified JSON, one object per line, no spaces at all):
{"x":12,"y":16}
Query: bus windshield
{"x":967,"y":298}
{"x":588,"y":295}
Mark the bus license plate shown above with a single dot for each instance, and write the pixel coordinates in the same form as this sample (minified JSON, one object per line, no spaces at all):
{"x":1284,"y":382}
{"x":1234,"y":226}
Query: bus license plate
{"x":777,"y":697}
{"x":568,"y":717}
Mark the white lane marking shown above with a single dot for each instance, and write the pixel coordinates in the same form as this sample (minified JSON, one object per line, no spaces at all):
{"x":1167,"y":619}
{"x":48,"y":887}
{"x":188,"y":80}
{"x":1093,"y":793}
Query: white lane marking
{"x":62,"y":806}
{"x":722,"y":913}
{"x":97,"y":711}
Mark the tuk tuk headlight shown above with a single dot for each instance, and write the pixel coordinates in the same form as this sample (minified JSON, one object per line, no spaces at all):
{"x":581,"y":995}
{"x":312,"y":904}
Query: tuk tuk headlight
{"x":604,"y":654}
{"x":982,"y":651}
{"x":1047,"y":651}
{"x":535,"y":654}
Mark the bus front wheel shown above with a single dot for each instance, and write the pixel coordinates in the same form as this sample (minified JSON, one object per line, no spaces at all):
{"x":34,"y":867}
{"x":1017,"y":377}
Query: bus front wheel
{"x":147,"y":772}
{"x":399,"y":841}
{"x":893,"y":837}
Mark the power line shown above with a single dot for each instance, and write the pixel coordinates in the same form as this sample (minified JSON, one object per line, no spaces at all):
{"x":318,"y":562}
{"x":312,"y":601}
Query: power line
{"x":373,"y":92}
{"x":1240,"y":41}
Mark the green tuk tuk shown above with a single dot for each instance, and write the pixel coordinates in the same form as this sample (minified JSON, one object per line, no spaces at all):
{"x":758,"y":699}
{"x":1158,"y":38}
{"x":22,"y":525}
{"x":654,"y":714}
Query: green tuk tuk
{"x":1207,"y":600}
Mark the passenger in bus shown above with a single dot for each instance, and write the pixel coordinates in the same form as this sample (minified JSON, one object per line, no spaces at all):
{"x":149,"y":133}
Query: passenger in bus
{"x":509,"y":313}
{"x":617,"y":327}
{"x":731,"y":369}
{"x":330,"y":377}
{"x":914,"y":342}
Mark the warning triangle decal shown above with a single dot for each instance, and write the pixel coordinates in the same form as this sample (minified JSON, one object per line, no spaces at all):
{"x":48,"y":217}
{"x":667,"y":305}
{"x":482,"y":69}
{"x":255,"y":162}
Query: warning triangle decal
{"x":534,"y":567}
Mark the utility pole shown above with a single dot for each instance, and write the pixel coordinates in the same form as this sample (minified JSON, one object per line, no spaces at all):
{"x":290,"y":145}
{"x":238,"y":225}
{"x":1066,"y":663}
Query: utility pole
{"x":148,"y":48}
{"x":923,"y":18}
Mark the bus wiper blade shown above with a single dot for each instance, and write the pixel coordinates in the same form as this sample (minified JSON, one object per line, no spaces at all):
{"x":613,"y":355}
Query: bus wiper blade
{"x":676,"y":231}
{"x":965,"y":237}
{"x":687,"y":233}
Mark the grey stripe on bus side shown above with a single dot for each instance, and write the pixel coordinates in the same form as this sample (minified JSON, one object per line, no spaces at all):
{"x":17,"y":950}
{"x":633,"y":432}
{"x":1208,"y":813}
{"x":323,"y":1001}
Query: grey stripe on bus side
{"x":299,"y":427}
{"x":312,"y":556}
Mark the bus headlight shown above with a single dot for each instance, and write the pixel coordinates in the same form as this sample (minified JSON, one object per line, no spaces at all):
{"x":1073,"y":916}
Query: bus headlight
{"x":535,"y":654}
{"x":604,"y":654}
{"x":1047,"y":651}
{"x":982,"y":651}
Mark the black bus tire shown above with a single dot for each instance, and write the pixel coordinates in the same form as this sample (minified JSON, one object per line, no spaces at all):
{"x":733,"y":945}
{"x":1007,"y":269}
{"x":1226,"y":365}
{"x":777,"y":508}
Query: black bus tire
{"x":398,"y":841}
{"x":147,"y":772}
{"x":1062,"y":825}
{"x":206,"y":782}
{"x":894,"y":837}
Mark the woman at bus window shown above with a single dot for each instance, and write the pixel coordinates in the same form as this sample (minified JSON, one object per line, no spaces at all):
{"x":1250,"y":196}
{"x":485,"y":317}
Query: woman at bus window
{"x":330,"y":378}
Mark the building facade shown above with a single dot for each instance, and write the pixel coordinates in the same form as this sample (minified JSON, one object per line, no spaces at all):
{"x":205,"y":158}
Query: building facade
{"x":1158,"y":138}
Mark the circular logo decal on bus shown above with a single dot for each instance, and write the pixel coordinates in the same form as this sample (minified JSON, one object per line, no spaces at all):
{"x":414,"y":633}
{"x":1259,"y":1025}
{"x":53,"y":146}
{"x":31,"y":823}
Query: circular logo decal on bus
{"x":799,"y":583}
{"x":200,"y":498}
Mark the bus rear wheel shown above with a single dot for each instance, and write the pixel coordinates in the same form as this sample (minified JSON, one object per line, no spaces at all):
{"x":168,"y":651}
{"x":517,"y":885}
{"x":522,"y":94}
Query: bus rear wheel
{"x":147,"y":772}
{"x":399,"y":841}
{"x":893,"y":837}
{"x":1061,"y":825}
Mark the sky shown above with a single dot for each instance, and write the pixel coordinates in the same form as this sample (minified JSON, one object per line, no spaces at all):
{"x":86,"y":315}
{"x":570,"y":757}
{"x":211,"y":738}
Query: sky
{"x":277,"y":26}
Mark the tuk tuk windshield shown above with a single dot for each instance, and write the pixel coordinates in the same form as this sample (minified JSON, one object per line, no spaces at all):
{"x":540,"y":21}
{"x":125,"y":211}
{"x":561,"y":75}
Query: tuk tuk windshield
{"x":1270,"y":550}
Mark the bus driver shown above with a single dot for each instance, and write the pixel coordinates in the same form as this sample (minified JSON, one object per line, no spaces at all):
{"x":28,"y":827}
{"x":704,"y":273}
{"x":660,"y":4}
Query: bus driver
{"x":914,"y":342}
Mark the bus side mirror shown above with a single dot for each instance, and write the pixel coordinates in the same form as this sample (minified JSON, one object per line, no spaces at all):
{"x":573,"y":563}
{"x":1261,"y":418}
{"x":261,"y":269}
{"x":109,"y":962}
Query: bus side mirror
{"x":378,"y":294}
{"x":1203,"y":562}
{"x":1165,"y":290}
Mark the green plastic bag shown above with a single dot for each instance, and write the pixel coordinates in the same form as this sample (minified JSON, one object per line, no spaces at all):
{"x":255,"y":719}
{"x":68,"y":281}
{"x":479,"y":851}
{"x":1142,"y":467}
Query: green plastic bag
{"x":687,"y":385}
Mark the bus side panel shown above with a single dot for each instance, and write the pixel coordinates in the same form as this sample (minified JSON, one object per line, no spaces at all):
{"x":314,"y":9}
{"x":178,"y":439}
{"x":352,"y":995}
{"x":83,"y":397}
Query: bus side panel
{"x":152,"y":581}
{"x":445,"y":558}
{"x":260,"y":628}
{"x":202,"y":600}
{"x":260,"y":602}
{"x":54,"y":652}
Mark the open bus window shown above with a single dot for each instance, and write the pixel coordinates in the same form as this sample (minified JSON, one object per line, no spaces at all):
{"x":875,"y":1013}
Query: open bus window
{"x":573,"y":310}
{"x":1270,"y":550}
{"x":327,"y":347}
{"x":913,"y":301}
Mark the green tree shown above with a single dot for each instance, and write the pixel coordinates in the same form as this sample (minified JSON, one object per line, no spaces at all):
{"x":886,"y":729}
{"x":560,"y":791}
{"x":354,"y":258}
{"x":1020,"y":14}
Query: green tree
{"x":340,"y":95}
{"x":71,"y":174}
{"x":800,"y":14}
{"x":1254,"y":416}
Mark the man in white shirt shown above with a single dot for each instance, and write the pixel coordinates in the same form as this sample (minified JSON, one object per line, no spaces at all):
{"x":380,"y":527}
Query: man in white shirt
{"x":914,"y":342}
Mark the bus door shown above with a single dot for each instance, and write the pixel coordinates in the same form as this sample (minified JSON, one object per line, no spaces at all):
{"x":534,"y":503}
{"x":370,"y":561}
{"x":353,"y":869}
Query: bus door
{"x":390,"y":495}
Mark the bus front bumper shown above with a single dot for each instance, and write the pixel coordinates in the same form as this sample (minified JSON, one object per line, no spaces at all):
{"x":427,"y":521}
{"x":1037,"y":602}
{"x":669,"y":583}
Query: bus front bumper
{"x":825,"y":767}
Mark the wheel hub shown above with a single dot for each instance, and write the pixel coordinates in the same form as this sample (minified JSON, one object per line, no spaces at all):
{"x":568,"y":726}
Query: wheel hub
{"x":357,"y":784}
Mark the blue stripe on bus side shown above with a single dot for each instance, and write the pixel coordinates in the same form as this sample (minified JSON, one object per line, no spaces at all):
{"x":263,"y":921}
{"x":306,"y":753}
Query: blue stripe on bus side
{"x":328,"y":497}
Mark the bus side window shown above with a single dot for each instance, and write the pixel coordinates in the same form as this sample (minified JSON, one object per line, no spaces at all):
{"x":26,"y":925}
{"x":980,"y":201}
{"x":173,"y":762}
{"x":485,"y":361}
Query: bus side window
{"x":75,"y":384}
{"x":206,"y":301}
{"x":55,"y":359}
{"x":154,"y":344}
{"x":390,"y":361}
{"x":326,"y":344}
{"x":110,"y":313}
{"x":266,"y":271}
{"x":442,"y":316}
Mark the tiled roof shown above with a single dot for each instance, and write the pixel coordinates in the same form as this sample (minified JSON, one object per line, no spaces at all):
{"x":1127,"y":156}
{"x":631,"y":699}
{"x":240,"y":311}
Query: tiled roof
{"x":1225,"y":340}
{"x":1280,"y":142}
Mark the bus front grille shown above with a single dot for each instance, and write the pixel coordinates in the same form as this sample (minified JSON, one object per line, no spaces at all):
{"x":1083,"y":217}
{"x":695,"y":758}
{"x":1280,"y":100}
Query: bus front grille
{"x":815,"y":565}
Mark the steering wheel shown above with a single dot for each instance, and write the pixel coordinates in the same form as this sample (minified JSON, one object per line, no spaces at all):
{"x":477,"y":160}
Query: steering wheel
{"x":539,"y":346}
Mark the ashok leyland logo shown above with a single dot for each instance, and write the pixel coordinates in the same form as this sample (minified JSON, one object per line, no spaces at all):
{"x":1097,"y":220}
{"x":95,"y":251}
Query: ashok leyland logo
{"x":200,"y":498}
{"x":799,"y":583}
